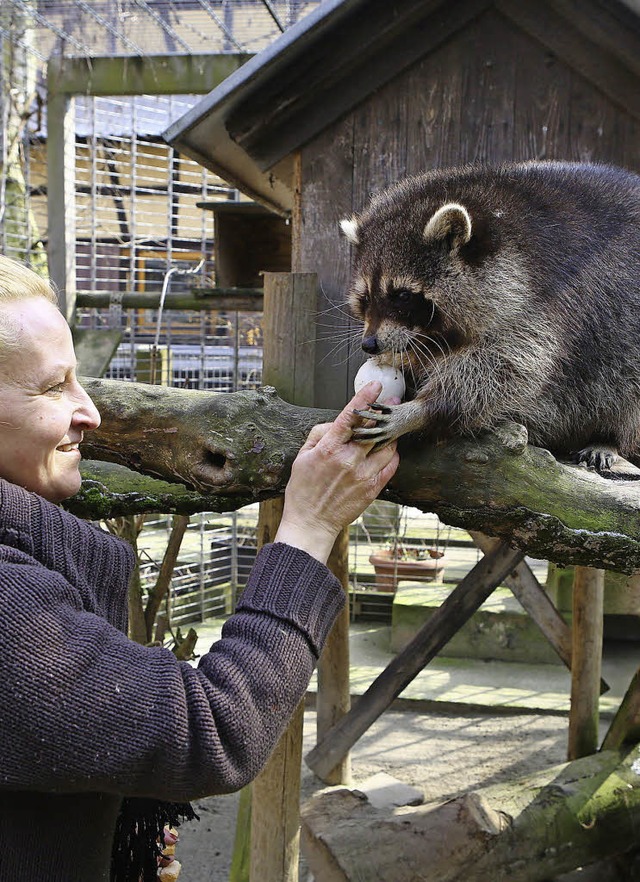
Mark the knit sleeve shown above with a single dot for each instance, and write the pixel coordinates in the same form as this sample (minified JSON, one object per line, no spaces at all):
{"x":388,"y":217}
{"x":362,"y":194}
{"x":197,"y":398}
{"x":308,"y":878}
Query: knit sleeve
{"x":93,"y":711}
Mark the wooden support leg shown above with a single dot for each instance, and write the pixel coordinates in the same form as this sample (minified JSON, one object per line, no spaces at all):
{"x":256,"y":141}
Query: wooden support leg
{"x":334,"y":698}
{"x":289,"y":304}
{"x":275,"y":810}
{"x":588,"y":599}
{"x":536,"y":602}
{"x":463,"y":601}
{"x":275,"y":802}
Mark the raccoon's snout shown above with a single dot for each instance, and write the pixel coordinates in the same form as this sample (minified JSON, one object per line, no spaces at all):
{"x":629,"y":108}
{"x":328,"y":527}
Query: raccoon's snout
{"x":370,"y":344}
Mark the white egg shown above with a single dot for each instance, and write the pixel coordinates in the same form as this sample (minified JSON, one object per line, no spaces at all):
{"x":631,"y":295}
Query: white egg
{"x":392,"y":379}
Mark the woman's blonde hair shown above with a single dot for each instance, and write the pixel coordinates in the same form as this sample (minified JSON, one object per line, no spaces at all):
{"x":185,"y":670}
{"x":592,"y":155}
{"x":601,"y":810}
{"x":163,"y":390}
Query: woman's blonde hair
{"x":17,"y":282}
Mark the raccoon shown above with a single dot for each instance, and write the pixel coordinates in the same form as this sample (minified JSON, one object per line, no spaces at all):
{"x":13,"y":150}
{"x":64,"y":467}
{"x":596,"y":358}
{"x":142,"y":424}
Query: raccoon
{"x":507,"y":293}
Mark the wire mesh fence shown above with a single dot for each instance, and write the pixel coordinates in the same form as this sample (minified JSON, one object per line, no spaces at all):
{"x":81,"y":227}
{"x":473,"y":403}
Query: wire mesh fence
{"x":142,"y":213}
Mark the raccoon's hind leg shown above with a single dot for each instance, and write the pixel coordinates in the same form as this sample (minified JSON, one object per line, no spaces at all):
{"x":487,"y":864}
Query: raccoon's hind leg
{"x":605,"y":459}
{"x":391,"y":421}
{"x":600,"y":457}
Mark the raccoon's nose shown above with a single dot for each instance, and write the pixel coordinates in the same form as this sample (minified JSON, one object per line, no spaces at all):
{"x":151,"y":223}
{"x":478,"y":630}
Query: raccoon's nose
{"x":370,"y":344}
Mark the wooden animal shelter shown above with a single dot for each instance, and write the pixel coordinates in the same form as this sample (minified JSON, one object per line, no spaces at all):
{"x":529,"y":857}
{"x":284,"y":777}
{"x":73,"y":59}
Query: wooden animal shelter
{"x":364,"y":92}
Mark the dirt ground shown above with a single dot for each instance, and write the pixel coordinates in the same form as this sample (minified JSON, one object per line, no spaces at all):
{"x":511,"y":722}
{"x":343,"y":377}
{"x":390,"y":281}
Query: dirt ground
{"x":443,"y":754}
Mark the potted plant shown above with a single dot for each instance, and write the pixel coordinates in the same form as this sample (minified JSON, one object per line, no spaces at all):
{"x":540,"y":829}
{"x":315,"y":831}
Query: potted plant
{"x":416,"y":563}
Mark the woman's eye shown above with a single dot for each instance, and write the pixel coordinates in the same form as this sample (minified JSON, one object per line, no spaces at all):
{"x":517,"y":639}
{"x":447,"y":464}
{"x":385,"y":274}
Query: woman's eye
{"x":58,"y":389}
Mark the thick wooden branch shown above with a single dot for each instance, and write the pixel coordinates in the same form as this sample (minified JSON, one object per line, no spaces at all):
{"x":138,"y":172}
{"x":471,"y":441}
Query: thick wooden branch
{"x":532,"y":829}
{"x":238,"y":448}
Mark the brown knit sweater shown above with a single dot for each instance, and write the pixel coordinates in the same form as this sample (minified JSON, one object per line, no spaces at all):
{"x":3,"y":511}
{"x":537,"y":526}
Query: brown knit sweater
{"x":89,"y":716}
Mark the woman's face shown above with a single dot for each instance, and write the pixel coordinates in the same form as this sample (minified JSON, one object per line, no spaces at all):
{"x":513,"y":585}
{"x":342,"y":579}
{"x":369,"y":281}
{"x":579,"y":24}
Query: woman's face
{"x":44,"y":411}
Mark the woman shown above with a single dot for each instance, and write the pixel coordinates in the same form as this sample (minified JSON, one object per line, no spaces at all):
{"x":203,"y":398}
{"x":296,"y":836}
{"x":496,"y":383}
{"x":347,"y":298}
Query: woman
{"x":89,"y":716}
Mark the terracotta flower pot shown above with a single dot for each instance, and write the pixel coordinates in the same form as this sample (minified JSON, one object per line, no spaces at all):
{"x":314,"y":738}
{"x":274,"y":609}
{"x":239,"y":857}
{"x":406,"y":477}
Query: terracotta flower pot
{"x":389,"y":570}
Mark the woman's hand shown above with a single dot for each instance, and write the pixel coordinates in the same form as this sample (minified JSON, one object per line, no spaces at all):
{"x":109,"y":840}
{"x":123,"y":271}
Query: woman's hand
{"x":333,"y":479}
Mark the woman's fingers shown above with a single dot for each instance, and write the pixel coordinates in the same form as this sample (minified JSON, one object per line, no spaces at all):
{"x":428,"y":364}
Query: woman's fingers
{"x":315,"y":435}
{"x":347,"y":419}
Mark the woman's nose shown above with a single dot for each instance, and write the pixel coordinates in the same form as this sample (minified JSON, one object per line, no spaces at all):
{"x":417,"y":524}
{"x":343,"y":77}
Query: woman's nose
{"x":86,"y":413}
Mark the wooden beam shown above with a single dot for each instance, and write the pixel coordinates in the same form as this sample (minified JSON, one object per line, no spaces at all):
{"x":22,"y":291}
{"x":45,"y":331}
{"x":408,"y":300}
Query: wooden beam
{"x":61,"y":201}
{"x":141,"y":74}
{"x":625,"y":726}
{"x":536,"y":602}
{"x":204,"y":299}
{"x":464,"y":600}
{"x":131,"y":75}
{"x":588,"y":601}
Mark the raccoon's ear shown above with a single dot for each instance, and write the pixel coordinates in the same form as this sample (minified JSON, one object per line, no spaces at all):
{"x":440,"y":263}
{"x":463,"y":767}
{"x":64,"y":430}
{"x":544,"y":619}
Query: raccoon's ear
{"x":349,"y":227}
{"x":450,"y":223}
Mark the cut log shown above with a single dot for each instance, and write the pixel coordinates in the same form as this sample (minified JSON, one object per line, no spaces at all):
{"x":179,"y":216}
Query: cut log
{"x":238,"y":448}
{"x":531,"y":830}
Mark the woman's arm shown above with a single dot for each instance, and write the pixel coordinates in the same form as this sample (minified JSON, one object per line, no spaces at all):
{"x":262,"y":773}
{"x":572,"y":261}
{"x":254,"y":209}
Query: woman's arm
{"x":89,"y":710}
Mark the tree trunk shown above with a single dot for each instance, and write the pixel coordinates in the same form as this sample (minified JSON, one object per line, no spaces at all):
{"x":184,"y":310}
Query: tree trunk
{"x":530,"y":830}
{"x":238,"y":448}
{"x":20,"y":237}
{"x":159,"y":592}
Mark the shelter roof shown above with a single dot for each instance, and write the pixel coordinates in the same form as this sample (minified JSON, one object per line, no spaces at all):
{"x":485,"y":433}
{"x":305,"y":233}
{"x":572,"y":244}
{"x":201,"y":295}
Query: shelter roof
{"x":248,"y":128}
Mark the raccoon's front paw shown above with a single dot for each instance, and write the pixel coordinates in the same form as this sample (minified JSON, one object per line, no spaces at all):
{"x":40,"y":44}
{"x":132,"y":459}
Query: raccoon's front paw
{"x":391,"y":421}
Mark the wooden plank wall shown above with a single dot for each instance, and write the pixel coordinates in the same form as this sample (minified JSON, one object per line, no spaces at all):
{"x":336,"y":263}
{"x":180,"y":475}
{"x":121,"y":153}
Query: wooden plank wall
{"x":492,"y":92}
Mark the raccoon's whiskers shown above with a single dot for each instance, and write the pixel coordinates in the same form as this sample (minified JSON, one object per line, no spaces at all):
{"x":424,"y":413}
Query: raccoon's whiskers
{"x":433,"y":340}
{"x":419,"y":347}
{"x":345,"y":344}
{"x":425,"y":358}
{"x":338,"y":355}
{"x":404,"y":358}
{"x":338,"y":308}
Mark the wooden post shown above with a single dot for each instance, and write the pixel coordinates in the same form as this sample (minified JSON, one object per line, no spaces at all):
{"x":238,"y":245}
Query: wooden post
{"x":333,"y":699}
{"x":588,"y":599}
{"x":289,"y":333}
{"x":459,"y":606}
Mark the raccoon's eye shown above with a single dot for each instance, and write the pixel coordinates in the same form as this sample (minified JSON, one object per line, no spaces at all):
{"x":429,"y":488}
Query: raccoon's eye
{"x":363,"y":300}
{"x":400,"y":295}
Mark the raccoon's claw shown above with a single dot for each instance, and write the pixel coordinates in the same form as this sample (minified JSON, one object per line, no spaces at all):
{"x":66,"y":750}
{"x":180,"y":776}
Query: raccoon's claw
{"x":375,"y":411}
{"x":384,"y":429}
{"x":607,"y":461}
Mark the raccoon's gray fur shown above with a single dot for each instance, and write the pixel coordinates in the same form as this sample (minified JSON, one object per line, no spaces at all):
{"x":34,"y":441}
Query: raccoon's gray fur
{"x":507,"y":293}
